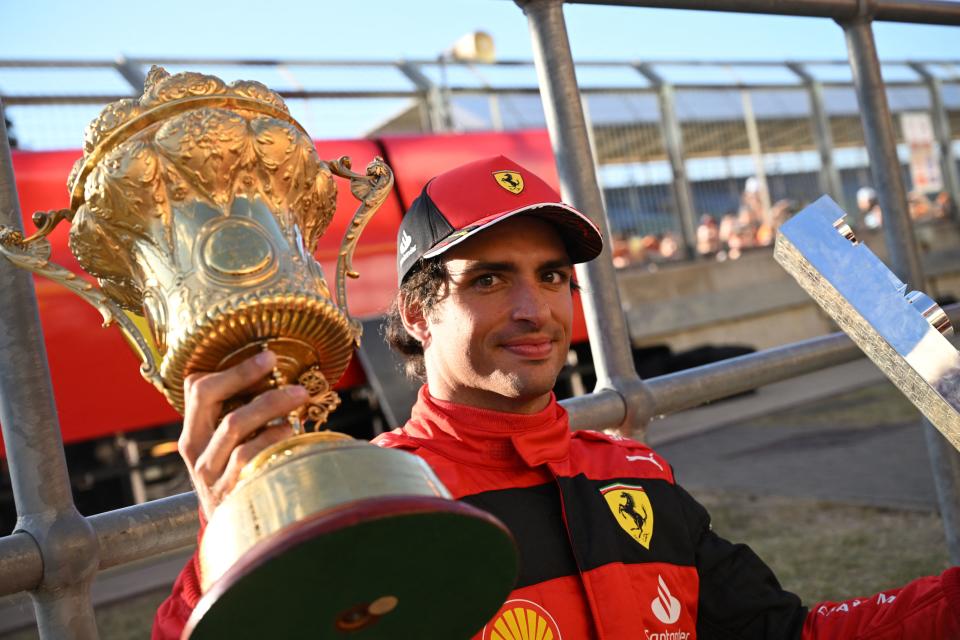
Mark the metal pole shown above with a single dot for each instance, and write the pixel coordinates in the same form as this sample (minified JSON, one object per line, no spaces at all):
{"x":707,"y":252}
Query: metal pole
{"x":592,"y":144}
{"x":696,"y":386}
{"x":147,"y":529}
{"x":432,"y":99}
{"x":496,"y":115}
{"x":610,"y":343}
{"x":900,"y":242}
{"x":756,"y":152}
{"x":449,"y":122}
{"x":673,"y":141}
{"x":38,"y":470}
{"x":131,"y":72}
{"x":882,"y":149}
{"x":829,"y":176}
{"x":920,"y":11}
{"x":125,"y":535}
{"x":941,"y":128}
{"x":945,"y":465}
{"x":21,"y":567}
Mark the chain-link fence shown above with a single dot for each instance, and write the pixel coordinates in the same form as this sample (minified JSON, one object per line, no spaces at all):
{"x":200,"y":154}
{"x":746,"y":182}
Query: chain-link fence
{"x":746,"y":135}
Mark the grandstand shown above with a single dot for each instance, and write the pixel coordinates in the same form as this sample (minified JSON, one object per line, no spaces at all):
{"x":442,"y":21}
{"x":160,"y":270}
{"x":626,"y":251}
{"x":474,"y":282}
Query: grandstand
{"x":794,"y":124}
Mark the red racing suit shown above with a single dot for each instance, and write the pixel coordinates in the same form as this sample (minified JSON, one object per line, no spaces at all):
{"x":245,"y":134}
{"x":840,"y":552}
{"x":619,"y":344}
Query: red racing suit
{"x":611,"y":548}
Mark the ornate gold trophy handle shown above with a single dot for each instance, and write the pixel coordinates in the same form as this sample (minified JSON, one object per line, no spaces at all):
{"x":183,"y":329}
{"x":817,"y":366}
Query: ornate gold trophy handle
{"x":371,"y":190}
{"x":33,"y":254}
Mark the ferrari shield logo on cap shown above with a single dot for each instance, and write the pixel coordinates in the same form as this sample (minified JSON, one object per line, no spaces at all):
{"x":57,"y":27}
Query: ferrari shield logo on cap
{"x":631,"y":509}
{"x":509,"y":180}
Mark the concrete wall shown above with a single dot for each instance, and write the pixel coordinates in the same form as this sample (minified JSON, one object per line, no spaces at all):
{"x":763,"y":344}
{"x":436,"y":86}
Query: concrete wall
{"x":752,"y":301}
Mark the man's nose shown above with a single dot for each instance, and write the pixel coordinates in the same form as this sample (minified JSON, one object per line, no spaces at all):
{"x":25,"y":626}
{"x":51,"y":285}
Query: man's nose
{"x":529,"y":303}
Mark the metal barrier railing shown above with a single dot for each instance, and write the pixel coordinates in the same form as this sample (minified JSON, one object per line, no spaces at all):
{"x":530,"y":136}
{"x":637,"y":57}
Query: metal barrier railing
{"x":55,"y":552}
{"x":170,"y":523}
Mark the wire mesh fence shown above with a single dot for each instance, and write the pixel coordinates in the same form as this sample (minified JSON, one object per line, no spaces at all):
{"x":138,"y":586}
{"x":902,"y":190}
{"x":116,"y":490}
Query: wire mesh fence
{"x":749,"y":146}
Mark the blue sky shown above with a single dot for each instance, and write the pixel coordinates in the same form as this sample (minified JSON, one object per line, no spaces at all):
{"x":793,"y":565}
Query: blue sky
{"x":421,"y":29}
{"x":393,"y":30}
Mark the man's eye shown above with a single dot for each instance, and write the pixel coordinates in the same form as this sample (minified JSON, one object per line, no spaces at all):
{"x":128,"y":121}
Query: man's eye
{"x":555,"y":277}
{"x":486,"y":280}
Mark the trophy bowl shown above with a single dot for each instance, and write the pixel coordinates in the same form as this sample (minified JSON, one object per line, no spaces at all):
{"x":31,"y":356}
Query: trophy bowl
{"x":197,"y":207}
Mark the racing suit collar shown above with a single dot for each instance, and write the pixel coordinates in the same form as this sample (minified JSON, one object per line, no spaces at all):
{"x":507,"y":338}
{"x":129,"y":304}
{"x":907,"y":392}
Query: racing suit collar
{"x":490,"y":438}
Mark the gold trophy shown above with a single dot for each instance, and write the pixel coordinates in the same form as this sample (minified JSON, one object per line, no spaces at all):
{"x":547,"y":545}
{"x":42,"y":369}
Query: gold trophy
{"x":197,"y":207}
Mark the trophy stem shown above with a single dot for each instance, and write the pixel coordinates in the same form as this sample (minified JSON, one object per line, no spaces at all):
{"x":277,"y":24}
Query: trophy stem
{"x":286,"y":448}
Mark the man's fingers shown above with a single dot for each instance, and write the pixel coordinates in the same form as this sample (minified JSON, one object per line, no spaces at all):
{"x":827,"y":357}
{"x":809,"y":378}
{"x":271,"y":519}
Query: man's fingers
{"x":223,"y":385}
{"x":204,"y":395}
{"x":238,"y":426}
{"x":208,"y":450}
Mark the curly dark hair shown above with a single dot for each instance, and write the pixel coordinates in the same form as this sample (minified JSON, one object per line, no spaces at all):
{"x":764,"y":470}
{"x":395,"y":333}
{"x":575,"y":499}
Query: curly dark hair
{"x":424,"y":286}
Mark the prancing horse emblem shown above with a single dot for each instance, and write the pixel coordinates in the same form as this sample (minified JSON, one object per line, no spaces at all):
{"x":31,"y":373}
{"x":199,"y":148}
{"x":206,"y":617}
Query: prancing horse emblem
{"x":628,"y":509}
{"x":509,"y":180}
{"x":631,"y":508}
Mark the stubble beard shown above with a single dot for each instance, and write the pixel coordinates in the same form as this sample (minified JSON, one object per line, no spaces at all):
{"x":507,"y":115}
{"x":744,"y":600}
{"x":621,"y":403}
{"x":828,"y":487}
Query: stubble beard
{"x":524,"y":386}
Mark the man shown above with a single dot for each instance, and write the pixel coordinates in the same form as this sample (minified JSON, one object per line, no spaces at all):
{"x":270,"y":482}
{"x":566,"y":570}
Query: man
{"x":610,"y":547}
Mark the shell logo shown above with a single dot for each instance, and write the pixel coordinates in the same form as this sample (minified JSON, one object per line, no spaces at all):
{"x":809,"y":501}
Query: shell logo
{"x":521,"y":620}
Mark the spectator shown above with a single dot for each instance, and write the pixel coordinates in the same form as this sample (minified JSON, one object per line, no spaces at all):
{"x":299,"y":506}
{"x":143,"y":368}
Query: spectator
{"x":746,"y":227}
{"x":669,"y":247}
{"x":919,"y":206}
{"x":779,"y":213}
{"x":620,"y":251}
{"x":637,"y":248}
{"x":752,"y":210}
{"x":945,"y":207}
{"x":869,"y":207}
{"x":727,"y":224}
{"x":742,"y":236}
{"x":708,"y":236}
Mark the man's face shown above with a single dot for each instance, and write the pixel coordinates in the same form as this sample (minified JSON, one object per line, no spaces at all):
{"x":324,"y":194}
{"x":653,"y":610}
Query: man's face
{"x":500,"y":335}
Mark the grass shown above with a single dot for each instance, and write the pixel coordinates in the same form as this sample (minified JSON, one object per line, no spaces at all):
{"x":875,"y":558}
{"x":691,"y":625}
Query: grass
{"x":824,"y":550}
{"x":819,"y":550}
{"x":829,"y":551}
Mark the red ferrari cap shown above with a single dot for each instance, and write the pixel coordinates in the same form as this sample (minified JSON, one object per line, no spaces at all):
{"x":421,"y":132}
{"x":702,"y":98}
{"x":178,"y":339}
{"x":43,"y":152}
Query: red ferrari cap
{"x":464,"y":201}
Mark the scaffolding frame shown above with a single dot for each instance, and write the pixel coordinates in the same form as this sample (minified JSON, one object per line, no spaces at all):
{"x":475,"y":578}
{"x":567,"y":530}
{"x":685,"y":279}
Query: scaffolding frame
{"x":55,"y":552}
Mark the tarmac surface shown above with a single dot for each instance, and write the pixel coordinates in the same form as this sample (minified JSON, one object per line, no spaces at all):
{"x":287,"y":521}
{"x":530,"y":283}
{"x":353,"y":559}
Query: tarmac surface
{"x":807,"y":438}
{"x":884,"y":466}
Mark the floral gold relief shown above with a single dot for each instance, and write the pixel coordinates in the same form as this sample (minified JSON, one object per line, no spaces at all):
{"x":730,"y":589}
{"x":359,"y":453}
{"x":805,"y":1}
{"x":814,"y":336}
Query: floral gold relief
{"x":199,"y":207}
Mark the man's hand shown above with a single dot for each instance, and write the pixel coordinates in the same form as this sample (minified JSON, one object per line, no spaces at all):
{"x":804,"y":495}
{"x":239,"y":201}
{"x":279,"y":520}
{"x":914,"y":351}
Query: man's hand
{"x":215,"y":454}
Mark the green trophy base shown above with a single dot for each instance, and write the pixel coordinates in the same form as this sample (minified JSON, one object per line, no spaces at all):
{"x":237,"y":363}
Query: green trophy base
{"x":381,"y":568}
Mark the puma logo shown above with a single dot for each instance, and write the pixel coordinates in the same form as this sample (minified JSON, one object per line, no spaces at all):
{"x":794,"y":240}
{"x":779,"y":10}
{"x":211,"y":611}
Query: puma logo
{"x":646,"y":458}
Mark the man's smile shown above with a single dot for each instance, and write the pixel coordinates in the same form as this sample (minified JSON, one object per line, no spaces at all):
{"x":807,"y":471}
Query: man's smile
{"x":530,"y":347}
